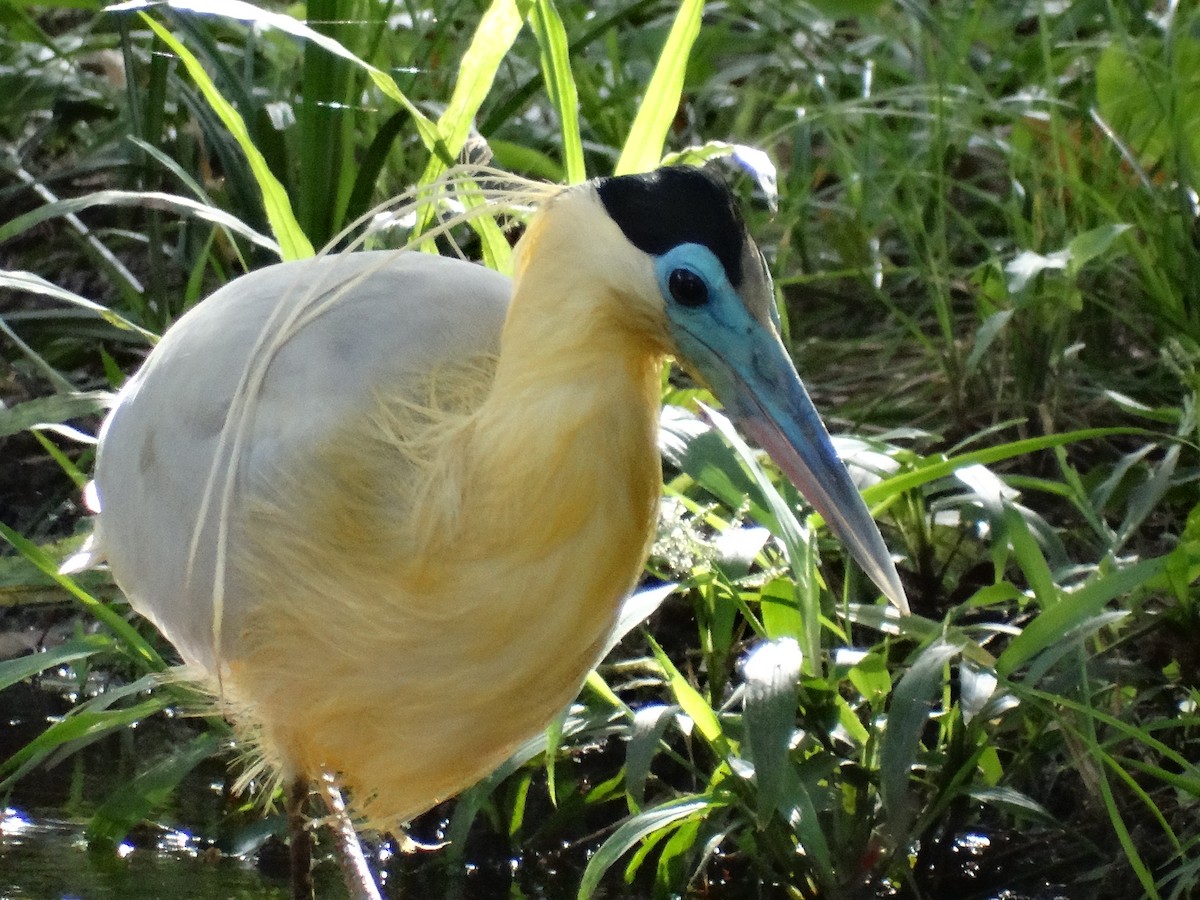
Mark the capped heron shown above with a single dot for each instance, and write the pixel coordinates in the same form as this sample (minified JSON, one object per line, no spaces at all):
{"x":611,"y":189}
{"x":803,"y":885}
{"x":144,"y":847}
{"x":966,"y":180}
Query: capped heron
{"x":388,"y":504}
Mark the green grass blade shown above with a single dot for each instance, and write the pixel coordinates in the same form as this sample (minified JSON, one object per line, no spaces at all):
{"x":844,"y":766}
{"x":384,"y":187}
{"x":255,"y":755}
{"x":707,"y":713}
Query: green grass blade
{"x":1128,"y":845}
{"x":772,"y":673}
{"x":133,"y":801}
{"x":1030,"y":558}
{"x":1128,"y":730}
{"x":691,"y":702}
{"x":293,"y":243}
{"x":1072,"y":610}
{"x":493,"y":39}
{"x":61,"y":383}
{"x":555,"y":58}
{"x":325,"y":123}
{"x":22,"y":667}
{"x":908,"y":714}
{"x":34,"y":284}
{"x":634,"y":830}
{"x":807,"y":823}
{"x":934,"y":468}
{"x":797,"y":542}
{"x":137,"y":645}
{"x":247,"y":12}
{"x":154,"y":199}
{"x":84,"y":725}
{"x":370,"y":164}
{"x":648,"y":136}
{"x":65,"y":462}
{"x":650,"y":723}
{"x":698,"y":450}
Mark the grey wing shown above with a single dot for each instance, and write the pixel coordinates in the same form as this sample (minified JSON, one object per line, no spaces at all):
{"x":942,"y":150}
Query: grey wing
{"x":395,"y":313}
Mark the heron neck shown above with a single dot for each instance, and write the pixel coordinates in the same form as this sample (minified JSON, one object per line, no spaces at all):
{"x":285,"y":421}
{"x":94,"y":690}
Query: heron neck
{"x":563,"y":451}
{"x":574,"y":404}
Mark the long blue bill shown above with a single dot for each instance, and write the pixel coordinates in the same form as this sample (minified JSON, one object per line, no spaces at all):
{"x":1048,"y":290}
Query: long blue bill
{"x":747,"y":367}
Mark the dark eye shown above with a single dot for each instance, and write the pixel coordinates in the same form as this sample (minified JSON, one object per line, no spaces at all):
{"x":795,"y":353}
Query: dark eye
{"x":687,"y":287}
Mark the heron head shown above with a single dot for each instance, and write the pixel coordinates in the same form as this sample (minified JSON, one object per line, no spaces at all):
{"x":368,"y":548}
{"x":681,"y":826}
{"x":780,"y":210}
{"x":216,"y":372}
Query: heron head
{"x":718,"y":303}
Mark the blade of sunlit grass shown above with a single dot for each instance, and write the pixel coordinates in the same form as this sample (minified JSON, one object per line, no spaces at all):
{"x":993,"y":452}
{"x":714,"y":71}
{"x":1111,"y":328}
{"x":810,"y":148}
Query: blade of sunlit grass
{"x":493,"y":38}
{"x":551,"y":36}
{"x":634,"y":830}
{"x":772,"y":673}
{"x":691,"y":702}
{"x":22,"y":667}
{"x":293,"y":244}
{"x":1030,"y":558}
{"x":933,"y":468}
{"x":648,"y":135}
{"x":82,"y":725}
{"x":35,"y":284}
{"x":247,"y":12}
{"x":797,"y":542}
{"x":153,"y":199}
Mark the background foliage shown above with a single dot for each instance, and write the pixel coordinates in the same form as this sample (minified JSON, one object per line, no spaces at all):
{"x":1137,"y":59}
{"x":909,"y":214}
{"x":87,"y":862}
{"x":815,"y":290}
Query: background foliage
{"x":987,"y":247}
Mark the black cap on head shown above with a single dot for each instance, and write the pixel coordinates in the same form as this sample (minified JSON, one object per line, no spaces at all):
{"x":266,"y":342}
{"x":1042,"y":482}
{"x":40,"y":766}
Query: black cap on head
{"x":677,"y":205}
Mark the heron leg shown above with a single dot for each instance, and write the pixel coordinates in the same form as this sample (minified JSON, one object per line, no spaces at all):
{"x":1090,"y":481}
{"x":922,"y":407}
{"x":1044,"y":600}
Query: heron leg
{"x":299,"y":841}
{"x":359,"y":880}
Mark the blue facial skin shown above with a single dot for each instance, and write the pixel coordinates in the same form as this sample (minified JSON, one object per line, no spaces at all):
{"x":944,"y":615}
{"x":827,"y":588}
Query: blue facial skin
{"x":750,"y":372}
{"x":743,"y":362}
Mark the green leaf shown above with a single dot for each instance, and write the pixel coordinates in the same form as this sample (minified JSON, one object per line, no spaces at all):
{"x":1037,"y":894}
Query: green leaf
{"x":772,"y":672}
{"x":1017,"y":804}
{"x":846,"y":9}
{"x":649,"y":725}
{"x":907,"y":717}
{"x":697,"y":449}
{"x":637,"y":827}
{"x":264,"y":18}
{"x":1091,"y":244}
{"x":636,"y":609}
{"x":690,"y":701}
{"x":138,"y":647}
{"x":644,"y":146}
{"x":184,"y":206}
{"x":933,"y":468}
{"x":135,"y":800}
{"x":977,"y":686}
{"x":1149,"y":93}
{"x":22,"y":667}
{"x":870,"y":676}
{"x":1146,"y":497}
{"x":1029,"y":557}
{"x":50,"y":410}
{"x":84,"y":725}
{"x":781,"y":616}
{"x":35,"y":284}
{"x":988,"y":331}
{"x":798,"y":543}
{"x":1072,"y":610}
{"x":293,"y":244}
{"x":555,"y":61}
{"x":493,"y":38}
{"x":799,"y":786}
